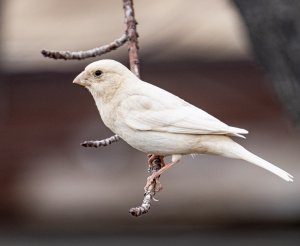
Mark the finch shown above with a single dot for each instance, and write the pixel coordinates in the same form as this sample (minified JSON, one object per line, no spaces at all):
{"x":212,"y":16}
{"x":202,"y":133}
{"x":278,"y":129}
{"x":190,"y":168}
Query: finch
{"x":155,"y":121}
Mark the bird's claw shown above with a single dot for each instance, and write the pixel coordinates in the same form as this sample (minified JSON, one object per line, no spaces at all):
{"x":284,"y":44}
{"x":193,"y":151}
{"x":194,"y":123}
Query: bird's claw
{"x":150,"y":181}
{"x":153,"y":180}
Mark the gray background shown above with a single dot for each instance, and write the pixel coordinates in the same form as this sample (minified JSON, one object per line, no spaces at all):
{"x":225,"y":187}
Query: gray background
{"x":54,"y":192}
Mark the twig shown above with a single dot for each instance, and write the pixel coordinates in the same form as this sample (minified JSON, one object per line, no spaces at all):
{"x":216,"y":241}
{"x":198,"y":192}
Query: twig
{"x":132,"y":37}
{"x":145,"y":207}
{"x":134,"y":61}
{"x":99,"y":143}
{"x":149,"y":194}
{"x":80,"y":55}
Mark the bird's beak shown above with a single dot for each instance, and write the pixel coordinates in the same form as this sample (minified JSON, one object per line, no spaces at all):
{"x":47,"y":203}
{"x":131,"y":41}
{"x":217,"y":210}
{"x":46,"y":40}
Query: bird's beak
{"x":80,"y":79}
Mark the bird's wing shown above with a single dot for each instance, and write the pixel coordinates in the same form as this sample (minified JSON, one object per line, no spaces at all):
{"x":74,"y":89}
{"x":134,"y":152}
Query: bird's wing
{"x":172,"y":114}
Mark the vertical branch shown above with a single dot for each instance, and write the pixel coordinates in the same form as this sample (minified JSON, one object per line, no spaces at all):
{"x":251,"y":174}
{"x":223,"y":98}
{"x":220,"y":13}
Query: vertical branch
{"x":132,"y":35}
{"x":133,"y":52}
{"x":155,"y":163}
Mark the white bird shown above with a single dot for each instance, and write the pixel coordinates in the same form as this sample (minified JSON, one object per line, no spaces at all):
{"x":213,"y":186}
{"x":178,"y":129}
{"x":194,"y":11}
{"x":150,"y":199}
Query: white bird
{"x":155,"y":121}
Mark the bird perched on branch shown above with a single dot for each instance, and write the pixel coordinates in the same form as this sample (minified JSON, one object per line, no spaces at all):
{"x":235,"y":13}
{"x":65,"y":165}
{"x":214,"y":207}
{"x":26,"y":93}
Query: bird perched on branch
{"x":155,"y":121}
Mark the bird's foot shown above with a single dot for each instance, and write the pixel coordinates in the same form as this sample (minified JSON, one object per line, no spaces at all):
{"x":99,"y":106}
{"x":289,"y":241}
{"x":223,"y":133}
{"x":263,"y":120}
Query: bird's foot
{"x":155,"y":175}
{"x":155,"y":163}
{"x":153,"y":180}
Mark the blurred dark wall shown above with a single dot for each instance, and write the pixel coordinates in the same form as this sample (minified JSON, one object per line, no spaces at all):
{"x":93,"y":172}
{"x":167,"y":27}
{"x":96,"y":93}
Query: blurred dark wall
{"x":274,"y":29}
{"x":1,"y":32}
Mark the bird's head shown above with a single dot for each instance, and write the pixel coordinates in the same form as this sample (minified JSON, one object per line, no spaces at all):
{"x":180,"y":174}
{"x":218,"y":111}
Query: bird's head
{"x":102,"y":78}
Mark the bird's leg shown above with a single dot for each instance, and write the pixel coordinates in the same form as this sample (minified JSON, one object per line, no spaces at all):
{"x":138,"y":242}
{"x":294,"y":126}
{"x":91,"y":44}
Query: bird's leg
{"x":155,"y":163}
{"x":155,"y":175}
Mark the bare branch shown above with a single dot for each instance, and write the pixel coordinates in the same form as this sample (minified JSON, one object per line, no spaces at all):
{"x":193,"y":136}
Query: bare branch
{"x":145,"y":207}
{"x":80,"y":55}
{"x":99,"y":143}
{"x":155,"y":163}
{"x":132,"y":37}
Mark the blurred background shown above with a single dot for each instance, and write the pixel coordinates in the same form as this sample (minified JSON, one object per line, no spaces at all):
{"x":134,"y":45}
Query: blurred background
{"x":237,"y":60}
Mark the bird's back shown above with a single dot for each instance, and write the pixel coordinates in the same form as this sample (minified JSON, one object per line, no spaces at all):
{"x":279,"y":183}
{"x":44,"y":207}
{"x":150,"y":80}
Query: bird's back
{"x":149,"y":107}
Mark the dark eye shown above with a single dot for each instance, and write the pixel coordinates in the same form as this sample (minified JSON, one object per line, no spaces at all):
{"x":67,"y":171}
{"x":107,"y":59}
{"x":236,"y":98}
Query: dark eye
{"x":98,"y":73}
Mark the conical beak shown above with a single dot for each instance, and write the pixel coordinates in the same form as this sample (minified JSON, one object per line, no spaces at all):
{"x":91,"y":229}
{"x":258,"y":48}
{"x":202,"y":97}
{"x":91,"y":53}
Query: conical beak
{"x":80,"y":79}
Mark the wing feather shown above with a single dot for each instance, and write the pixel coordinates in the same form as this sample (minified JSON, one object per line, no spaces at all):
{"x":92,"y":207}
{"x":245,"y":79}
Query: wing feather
{"x":174,"y":116}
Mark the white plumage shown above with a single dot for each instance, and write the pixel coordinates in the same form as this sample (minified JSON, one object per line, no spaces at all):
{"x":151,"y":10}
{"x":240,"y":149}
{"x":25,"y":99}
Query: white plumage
{"x":155,"y":121}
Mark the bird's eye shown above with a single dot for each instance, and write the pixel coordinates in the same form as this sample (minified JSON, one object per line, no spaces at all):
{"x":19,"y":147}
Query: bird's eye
{"x":98,"y":73}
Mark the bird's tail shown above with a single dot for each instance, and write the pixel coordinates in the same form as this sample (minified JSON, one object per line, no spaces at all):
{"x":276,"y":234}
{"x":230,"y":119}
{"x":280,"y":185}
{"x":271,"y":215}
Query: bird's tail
{"x":231,"y":149}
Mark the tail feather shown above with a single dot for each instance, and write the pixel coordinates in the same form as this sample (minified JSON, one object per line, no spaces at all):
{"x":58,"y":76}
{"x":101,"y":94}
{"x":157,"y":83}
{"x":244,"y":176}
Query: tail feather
{"x":231,"y":149}
{"x":246,"y":155}
{"x":268,"y":166}
{"x":237,"y":132}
